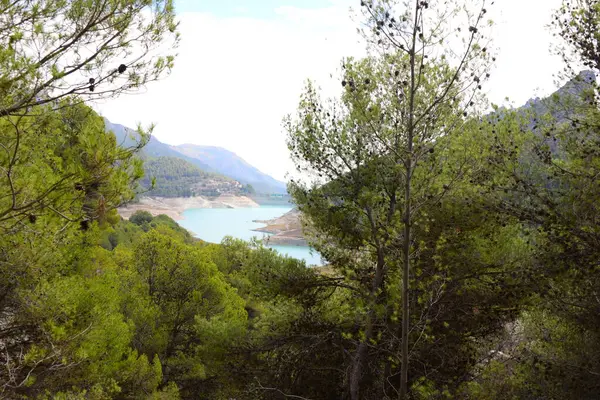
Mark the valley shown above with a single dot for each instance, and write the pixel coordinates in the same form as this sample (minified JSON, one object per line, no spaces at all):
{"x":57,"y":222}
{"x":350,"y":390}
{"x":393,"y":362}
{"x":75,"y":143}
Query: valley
{"x":182,"y":181}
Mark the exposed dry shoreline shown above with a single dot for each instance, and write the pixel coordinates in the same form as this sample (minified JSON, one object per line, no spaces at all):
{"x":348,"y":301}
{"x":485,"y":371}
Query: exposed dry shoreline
{"x":285,"y":230}
{"x":175,"y":206}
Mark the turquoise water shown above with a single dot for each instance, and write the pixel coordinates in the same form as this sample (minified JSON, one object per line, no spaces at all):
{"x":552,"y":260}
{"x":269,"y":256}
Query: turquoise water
{"x":213,"y":224}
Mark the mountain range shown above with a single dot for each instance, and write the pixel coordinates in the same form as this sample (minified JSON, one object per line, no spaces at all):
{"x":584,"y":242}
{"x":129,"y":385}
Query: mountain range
{"x":223,"y":164}
{"x":230,"y":164}
{"x":209,"y":159}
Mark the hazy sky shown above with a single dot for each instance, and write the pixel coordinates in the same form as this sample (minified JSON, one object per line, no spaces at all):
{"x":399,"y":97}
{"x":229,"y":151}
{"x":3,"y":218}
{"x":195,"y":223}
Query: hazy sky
{"x":242,"y":65}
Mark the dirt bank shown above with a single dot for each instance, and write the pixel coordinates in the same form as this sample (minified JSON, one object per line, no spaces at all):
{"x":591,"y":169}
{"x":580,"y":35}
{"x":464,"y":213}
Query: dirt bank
{"x":175,"y":206}
{"x":285,"y":230}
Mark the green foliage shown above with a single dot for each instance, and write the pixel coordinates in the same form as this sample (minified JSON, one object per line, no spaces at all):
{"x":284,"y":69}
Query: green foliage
{"x":174,"y":177}
{"x":64,"y":179}
{"x":62,"y":162}
{"x":248,"y":189}
{"x":181,"y":306}
{"x":503,"y":222}
{"x":141,"y":217}
{"x":556,"y":193}
{"x":85,"y":48}
{"x":463,"y":256}
{"x":577,"y":24}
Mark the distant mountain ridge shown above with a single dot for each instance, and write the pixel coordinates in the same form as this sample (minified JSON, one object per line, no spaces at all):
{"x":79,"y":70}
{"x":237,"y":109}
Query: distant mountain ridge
{"x":127,"y":137}
{"x":230,"y":164}
{"x":572,"y":89}
{"x":208,"y":158}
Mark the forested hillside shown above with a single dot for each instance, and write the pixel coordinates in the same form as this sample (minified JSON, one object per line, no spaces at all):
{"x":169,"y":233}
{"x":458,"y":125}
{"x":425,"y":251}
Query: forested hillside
{"x":175,"y":177}
{"x":127,"y":137}
{"x":208,"y":158}
{"x":175,"y":174}
{"x":463,"y":245}
{"x":230,"y":164}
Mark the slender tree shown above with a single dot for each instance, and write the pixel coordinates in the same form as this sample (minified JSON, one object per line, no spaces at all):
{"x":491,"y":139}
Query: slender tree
{"x":390,"y":129}
{"x":421,"y":34}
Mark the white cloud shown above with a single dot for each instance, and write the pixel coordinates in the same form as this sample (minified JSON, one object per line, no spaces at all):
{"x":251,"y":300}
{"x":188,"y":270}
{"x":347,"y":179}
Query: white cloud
{"x":236,"y":77}
{"x":525,"y":66}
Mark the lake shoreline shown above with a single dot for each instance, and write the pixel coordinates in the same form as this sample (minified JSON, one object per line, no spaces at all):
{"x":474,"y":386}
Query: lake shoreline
{"x":212,"y":225}
{"x":285,"y":230}
{"x":280,"y":230}
{"x":174,"y":207}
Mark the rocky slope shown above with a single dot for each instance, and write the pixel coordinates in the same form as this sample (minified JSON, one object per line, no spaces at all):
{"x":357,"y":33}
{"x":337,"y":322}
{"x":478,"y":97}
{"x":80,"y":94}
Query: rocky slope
{"x":284,"y":230}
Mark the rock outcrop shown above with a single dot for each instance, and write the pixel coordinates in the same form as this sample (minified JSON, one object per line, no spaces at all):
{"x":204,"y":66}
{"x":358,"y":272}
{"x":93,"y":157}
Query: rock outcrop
{"x":285,"y":230}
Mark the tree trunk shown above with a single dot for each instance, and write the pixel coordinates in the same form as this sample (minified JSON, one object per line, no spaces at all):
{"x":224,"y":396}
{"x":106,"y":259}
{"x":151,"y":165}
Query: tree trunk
{"x":407,"y":214}
{"x":405,"y":287}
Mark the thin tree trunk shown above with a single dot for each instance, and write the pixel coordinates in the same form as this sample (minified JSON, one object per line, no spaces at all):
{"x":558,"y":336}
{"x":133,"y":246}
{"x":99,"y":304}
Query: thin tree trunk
{"x":407,"y":214}
{"x":405,"y":287}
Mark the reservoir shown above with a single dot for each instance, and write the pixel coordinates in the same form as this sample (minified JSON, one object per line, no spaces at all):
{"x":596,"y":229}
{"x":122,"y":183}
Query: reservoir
{"x":213,"y":224}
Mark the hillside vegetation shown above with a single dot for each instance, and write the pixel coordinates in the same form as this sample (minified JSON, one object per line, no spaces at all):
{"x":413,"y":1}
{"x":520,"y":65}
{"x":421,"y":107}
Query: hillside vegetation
{"x":175,"y":177}
{"x":128,"y":137}
{"x":209,"y":159}
{"x":230,"y":164}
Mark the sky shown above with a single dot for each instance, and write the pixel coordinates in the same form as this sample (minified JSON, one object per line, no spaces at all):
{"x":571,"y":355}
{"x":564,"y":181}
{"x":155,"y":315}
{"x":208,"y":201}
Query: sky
{"x":242,"y":64}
